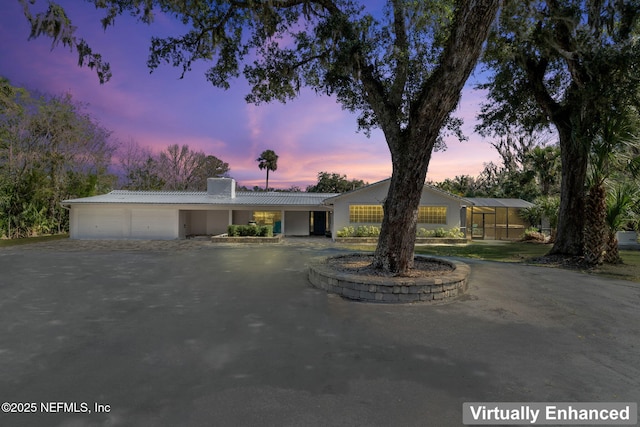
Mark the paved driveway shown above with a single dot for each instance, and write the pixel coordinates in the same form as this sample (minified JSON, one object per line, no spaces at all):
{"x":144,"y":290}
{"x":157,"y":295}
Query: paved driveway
{"x":200,"y":335}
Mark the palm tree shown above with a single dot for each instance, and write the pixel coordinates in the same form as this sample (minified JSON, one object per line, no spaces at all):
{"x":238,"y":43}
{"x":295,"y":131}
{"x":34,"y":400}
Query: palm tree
{"x":268,"y":160}
{"x":620,"y":203}
{"x":608,"y":147}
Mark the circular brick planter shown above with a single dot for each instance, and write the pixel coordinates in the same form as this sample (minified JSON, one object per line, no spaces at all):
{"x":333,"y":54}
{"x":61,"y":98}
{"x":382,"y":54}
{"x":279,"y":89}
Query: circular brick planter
{"x":442,"y":288}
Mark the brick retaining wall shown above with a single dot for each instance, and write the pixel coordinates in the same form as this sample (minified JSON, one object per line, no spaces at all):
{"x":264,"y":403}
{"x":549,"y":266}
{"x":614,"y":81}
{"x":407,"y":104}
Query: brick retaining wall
{"x":391,"y":289}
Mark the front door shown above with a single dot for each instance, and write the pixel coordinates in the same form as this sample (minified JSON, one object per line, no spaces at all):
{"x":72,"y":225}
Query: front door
{"x":319,"y":223}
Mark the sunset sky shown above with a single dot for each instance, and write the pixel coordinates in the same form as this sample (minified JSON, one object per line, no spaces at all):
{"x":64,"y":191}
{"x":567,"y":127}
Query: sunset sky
{"x":310,"y":134}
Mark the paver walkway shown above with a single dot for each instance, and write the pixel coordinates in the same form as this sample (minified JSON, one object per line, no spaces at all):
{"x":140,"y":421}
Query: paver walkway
{"x":228,"y":335}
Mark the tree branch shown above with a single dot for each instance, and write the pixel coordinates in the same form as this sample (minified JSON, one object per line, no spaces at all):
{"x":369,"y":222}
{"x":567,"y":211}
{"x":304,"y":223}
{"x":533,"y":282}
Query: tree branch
{"x":441,"y":91}
{"x":401,"y":46}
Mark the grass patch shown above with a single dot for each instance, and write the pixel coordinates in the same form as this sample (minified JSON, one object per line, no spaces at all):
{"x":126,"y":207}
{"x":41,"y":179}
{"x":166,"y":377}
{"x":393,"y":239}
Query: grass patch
{"x":503,"y":251}
{"x":493,"y":251}
{"x":521,"y":252}
{"x":28,"y":240}
{"x":629,"y":270}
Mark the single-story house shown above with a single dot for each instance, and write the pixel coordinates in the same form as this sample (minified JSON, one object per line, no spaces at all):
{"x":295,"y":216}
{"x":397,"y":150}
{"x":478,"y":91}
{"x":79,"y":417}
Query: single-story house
{"x":479,"y":218}
{"x":167,"y":215}
{"x":178,"y":214}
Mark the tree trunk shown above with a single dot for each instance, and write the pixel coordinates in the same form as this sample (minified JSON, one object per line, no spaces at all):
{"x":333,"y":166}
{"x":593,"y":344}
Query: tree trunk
{"x":266,"y":185}
{"x":612,"y":256}
{"x":570,"y":231}
{"x":595,"y":230}
{"x":411,"y":147}
{"x":395,"y":249}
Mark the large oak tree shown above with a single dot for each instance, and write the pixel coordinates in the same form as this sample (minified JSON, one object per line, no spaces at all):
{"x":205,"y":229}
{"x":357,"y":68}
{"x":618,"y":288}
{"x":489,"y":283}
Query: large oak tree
{"x":401,"y":69}
{"x":569,"y":64}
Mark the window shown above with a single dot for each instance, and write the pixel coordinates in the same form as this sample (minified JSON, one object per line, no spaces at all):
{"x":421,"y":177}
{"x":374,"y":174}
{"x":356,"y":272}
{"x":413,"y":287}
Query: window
{"x":432,"y":215}
{"x":373,"y":214}
{"x":365,"y":213}
{"x":267,"y":217}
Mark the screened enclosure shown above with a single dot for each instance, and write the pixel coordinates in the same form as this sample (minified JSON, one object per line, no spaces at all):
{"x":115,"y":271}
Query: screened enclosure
{"x":496,"y":219}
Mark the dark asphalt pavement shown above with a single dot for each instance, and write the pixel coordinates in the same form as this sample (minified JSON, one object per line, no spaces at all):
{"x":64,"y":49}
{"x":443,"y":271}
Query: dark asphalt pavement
{"x":236,"y":336}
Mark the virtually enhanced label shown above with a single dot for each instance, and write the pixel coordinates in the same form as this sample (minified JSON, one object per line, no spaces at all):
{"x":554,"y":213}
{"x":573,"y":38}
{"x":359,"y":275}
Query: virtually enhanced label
{"x":546,"y":413}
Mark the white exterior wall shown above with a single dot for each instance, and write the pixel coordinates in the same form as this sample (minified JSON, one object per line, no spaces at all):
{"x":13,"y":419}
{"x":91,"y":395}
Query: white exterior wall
{"x":296,"y":223}
{"x":197,"y":222}
{"x":99,"y":222}
{"x":435,"y":198}
{"x":105,"y":222}
{"x":217,"y":222}
{"x":375,"y":195}
{"x":154,"y":223}
{"x":242,"y":217}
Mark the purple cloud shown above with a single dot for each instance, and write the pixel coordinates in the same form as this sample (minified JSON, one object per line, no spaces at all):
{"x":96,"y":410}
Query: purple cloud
{"x":310,"y":134}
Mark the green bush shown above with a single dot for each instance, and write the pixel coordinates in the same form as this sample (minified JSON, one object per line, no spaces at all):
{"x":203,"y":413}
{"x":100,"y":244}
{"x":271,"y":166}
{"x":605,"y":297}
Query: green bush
{"x":440,"y":232}
{"x":423,"y":232}
{"x":250,"y":230}
{"x":346,"y":232}
{"x":265,"y":231}
{"x":373,"y":231}
{"x":367,"y":231}
{"x":452,"y":233}
{"x":533,"y":234}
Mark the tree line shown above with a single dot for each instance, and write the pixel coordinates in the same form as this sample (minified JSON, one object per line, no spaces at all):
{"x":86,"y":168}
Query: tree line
{"x":52,"y":150}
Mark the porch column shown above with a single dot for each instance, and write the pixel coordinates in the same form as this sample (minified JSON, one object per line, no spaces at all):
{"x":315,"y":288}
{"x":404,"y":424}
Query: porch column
{"x":282,"y":222}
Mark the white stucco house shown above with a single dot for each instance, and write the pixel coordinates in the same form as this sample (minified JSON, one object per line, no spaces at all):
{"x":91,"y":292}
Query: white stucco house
{"x":438,"y":209}
{"x":477,"y":218}
{"x":166,"y":215}
{"x":176,"y":215}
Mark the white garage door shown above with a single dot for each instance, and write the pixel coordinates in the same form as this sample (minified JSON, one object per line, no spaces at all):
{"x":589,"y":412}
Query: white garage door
{"x":154,"y":224}
{"x":100,"y":223}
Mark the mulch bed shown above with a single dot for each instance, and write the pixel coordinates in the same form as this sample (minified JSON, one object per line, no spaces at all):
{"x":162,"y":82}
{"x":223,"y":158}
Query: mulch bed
{"x":361,"y":265}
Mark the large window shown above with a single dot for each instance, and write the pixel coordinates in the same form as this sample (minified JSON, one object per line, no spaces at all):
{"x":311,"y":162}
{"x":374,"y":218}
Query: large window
{"x":432,"y":215}
{"x":365,"y":213}
{"x":373,"y":214}
{"x":267,"y":217}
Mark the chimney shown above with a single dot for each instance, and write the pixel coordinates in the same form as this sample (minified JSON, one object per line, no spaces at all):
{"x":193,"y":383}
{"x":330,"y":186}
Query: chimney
{"x":223,"y":188}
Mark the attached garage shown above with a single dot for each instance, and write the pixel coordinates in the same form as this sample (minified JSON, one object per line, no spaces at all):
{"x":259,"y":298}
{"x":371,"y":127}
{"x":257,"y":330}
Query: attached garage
{"x":150,"y":223}
{"x":167,"y":215}
{"x":105,"y":223}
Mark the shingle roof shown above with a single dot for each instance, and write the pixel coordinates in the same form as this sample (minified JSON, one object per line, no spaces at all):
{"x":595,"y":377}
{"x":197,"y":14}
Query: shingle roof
{"x":243,"y":198}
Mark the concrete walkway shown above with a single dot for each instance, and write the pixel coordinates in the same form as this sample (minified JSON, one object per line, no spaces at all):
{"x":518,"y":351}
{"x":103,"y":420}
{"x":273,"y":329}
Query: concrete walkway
{"x":235,"y":336}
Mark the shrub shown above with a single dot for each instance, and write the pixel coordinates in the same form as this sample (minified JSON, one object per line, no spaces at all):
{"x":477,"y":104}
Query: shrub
{"x":533,"y":234}
{"x":440,"y":232}
{"x":455,"y":233}
{"x":423,"y":232}
{"x":250,"y":230}
{"x":367,"y":231}
{"x":373,"y":231}
{"x":346,"y":232}
{"x":265,"y":231}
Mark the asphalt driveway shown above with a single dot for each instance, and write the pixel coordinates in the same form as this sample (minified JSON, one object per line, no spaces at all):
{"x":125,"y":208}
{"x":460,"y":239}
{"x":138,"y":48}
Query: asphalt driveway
{"x":234,"y":335}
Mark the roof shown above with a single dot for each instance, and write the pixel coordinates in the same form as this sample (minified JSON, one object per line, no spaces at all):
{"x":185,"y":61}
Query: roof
{"x":498,"y":203}
{"x":243,"y":198}
{"x":428,"y":186}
